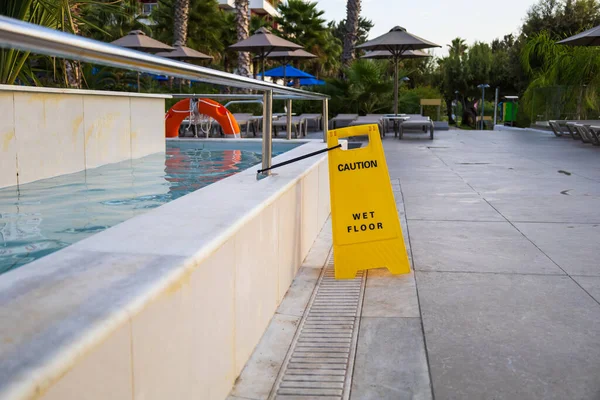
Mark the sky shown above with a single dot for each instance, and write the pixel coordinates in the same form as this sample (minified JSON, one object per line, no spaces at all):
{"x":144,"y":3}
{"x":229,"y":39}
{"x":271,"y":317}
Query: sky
{"x":439,"y":21}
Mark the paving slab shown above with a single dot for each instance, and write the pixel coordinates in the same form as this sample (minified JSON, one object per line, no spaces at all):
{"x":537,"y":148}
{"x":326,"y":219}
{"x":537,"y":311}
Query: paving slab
{"x":257,"y":377}
{"x":390,"y":361}
{"x":388,"y":295}
{"x":320,"y":248}
{"x":575,"y":247}
{"x":438,"y":187}
{"x":591,"y":284}
{"x":512,"y":170}
{"x":408,"y":173}
{"x":402,"y":215}
{"x":557,"y":208}
{"x":451,"y":208}
{"x":494,"y":336}
{"x":476,"y":247}
{"x":298,"y":295}
{"x":426,"y":163}
{"x":509,"y":184}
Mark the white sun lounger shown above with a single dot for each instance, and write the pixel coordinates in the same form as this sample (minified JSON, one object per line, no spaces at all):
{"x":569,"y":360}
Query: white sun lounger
{"x":298,"y":125}
{"x":317,"y":118}
{"x":369,"y":120}
{"x":418,"y":123}
{"x":341,"y":119}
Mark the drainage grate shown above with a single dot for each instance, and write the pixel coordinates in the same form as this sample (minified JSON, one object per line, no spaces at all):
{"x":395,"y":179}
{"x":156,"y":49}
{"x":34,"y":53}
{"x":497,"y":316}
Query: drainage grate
{"x":321,"y":359}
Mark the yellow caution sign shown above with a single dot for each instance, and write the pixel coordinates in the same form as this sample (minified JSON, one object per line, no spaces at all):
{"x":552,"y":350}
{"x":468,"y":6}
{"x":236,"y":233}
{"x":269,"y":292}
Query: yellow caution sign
{"x":366,"y":227}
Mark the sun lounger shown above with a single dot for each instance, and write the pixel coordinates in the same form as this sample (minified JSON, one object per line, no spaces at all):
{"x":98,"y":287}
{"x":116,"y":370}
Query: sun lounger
{"x":246,"y":120}
{"x":342,"y":119}
{"x":595,"y":131}
{"x":419,"y":123}
{"x":570,"y":125}
{"x":369,"y":120}
{"x":298,"y":125}
{"x":256,"y":121}
{"x":316,"y":118}
{"x":586,"y":133}
{"x":559,"y":127}
{"x":384,"y":122}
{"x":578,"y":133}
{"x":567,"y":127}
{"x":582,"y":134}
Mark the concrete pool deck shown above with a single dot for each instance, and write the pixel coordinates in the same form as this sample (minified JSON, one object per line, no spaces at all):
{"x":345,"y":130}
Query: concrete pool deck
{"x":502,"y":229}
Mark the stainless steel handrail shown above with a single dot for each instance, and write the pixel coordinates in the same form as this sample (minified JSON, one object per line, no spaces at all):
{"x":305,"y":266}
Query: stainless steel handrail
{"x":37,"y":39}
{"x":239,"y":96}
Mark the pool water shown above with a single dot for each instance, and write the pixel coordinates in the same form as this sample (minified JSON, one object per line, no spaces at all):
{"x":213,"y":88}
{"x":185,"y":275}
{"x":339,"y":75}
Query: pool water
{"x":42,"y":217}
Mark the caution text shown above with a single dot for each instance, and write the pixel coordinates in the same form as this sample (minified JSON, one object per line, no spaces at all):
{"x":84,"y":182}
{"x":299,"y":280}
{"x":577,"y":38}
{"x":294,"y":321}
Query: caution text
{"x":357,"y":165}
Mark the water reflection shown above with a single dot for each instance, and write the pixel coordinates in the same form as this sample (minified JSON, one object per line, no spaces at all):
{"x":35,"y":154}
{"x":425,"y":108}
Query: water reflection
{"x":182,"y":165}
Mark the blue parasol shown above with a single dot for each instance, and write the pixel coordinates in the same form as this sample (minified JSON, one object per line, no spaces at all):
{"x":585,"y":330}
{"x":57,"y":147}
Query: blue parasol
{"x":309,"y":82}
{"x":287,"y":71}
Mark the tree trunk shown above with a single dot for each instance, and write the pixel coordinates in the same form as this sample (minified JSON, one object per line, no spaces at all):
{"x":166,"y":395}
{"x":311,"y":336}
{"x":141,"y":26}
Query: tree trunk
{"x":72,"y":73}
{"x":352,"y":15}
{"x":180,"y":22}
{"x":242,"y":24}
{"x":469,"y":116}
{"x":226,"y":63}
{"x":580,"y":102}
{"x":73,"y":68}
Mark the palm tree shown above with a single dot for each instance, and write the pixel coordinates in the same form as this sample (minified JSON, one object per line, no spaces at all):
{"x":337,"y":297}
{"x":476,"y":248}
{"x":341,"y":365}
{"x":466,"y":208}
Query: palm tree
{"x":65,"y":15}
{"x":13,"y":64}
{"x":228,"y":36}
{"x":364,"y":27}
{"x":242,"y":24}
{"x":568,"y":76}
{"x":303,"y":23}
{"x":370,"y":87}
{"x":206,"y":25}
{"x":352,"y":20}
{"x":72,"y":16}
{"x":117,"y":20}
{"x":181,"y":13}
{"x":458,"y":47}
{"x":367,"y":88}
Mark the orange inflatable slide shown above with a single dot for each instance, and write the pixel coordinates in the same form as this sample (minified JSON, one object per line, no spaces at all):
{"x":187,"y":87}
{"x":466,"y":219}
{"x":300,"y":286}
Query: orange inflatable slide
{"x":216,"y":111}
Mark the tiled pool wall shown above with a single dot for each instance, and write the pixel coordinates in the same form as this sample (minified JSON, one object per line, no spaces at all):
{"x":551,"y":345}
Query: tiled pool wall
{"x":50,"y":132}
{"x":169,"y":304}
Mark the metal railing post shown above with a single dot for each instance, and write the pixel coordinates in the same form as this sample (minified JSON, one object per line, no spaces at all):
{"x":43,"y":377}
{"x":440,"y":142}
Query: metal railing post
{"x":496,"y":106}
{"x":289,"y":119}
{"x":267,"y":136}
{"x":325,"y":119}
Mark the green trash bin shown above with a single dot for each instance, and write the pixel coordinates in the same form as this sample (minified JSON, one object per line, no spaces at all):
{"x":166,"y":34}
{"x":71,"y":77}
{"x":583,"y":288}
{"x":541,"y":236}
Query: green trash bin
{"x":511,"y":106}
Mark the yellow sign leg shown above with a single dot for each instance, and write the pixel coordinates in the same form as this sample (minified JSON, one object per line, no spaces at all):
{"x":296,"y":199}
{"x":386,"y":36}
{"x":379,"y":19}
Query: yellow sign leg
{"x":366,"y":226}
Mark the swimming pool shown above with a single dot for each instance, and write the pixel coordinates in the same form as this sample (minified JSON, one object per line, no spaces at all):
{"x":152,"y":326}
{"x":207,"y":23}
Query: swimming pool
{"x":42,"y":217}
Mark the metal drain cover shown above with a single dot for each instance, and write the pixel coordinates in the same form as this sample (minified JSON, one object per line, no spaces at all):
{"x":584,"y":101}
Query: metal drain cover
{"x":320,"y":361}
